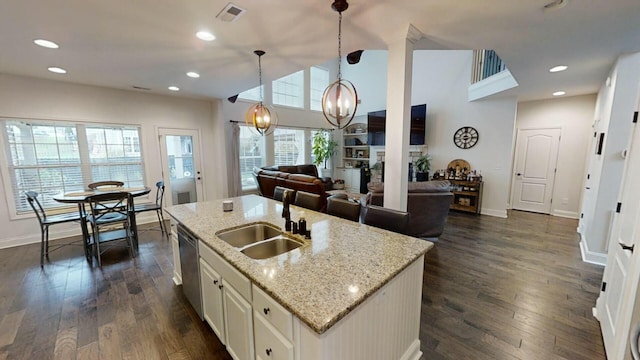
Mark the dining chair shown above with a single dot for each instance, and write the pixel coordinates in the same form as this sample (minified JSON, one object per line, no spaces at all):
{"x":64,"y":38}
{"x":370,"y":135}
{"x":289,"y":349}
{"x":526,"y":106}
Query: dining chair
{"x":157,"y":207}
{"x":308,"y":200}
{"x":278,"y":192}
{"x":102,"y":184}
{"x":110,"y":217}
{"x":48,"y":220}
{"x":388,"y":219}
{"x":339,"y":205}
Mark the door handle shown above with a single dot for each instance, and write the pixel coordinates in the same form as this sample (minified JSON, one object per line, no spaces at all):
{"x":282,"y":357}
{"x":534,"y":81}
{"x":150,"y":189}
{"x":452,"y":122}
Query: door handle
{"x":625,"y":247}
{"x":518,"y":174}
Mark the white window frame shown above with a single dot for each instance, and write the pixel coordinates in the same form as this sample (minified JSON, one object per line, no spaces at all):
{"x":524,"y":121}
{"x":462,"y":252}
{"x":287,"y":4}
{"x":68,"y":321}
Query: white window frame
{"x":254,"y":94}
{"x":316,"y":88}
{"x":263,"y":157}
{"x":14,"y":195}
{"x":288,"y":88}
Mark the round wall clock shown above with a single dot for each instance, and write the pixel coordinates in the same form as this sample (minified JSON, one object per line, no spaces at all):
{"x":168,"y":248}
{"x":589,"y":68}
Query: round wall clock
{"x":466,"y":137}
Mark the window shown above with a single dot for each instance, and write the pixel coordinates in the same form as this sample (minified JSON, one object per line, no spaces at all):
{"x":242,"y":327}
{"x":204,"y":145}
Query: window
{"x":288,"y":146}
{"x":319,"y":82}
{"x":252,"y":154}
{"x":51,"y":158}
{"x":289,"y":90}
{"x":254,"y":94}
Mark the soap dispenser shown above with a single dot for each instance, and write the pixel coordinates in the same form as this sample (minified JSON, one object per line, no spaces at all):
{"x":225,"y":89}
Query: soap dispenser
{"x":302,"y":224}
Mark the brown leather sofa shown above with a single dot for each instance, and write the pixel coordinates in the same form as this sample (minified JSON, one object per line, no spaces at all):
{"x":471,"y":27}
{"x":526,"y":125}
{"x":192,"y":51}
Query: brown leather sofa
{"x":305,"y":169}
{"x":428,"y":205}
{"x":267,"y":181}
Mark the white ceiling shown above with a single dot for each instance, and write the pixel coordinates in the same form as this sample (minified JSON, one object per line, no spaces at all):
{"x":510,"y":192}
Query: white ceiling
{"x":151,"y":43}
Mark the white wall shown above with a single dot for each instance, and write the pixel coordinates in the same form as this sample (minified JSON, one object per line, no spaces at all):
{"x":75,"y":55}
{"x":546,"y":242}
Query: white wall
{"x":441,"y":80}
{"x":617,"y":101}
{"x":30,"y":98}
{"x":574,"y":115}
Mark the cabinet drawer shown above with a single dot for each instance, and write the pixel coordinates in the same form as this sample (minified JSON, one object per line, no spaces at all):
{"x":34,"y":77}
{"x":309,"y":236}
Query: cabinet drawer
{"x":270,"y":344}
{"x":273,"y":312}
{"x":227,"y":271}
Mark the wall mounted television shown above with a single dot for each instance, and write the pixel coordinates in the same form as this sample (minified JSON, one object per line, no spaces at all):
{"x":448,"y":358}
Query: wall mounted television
{"x":376,"y":126}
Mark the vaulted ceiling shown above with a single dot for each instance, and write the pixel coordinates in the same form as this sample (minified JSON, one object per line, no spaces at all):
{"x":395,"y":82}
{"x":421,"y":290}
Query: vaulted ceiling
{"x":151,"y":43}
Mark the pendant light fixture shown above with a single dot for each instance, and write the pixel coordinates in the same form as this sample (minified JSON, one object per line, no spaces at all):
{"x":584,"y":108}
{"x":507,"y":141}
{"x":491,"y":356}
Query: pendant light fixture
{"x":261,"y":117}
{"x":340,"y":99}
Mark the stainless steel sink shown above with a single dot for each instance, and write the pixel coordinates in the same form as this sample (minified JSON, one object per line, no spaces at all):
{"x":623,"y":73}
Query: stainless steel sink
{"x":271,"y":247}
{"x":249,"y":234}
{"x":259,"y":240}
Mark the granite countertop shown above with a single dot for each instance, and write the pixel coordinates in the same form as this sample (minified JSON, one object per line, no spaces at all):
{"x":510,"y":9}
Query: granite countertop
{"x":320,"y":282}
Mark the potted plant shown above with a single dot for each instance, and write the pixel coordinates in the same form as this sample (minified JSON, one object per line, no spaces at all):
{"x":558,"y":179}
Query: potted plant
{"x":323,"y":147}
{"x":423,"y":164}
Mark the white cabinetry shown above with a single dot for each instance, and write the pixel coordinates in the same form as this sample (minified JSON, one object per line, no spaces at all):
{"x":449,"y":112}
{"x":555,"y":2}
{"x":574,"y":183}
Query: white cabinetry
{"x":226,"y":297}
{"x":177,"y":270}
{"x":351,"y":179}
{"x":273,"y":328}
{"x":212,"y":304}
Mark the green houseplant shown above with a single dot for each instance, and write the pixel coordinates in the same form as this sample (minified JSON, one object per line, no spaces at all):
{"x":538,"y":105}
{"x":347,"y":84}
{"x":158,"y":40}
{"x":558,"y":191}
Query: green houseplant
{"x":323,"y":147}
{"x":423,"y":165}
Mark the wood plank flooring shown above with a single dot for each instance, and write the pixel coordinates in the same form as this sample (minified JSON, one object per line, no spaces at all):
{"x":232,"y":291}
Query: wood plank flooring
{"x":511,"y":288}
{"x":493,"y":289}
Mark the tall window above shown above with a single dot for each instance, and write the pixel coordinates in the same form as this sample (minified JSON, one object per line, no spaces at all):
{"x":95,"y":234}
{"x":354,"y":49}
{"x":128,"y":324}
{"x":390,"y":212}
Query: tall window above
{"x":289,"y":90}
{"x":51,"y":158}
{"x":319,"y":81}
{"x":252,"y":94}
{"x":288,"y":146}
{"x":252,"y":154}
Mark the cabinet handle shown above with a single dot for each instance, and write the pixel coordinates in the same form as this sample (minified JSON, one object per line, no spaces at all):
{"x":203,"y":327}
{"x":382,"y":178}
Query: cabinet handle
{"x":266,"y":311}
{"x":269,"y":351}
{"x":220,"y":286}
{"x":215,"y":281}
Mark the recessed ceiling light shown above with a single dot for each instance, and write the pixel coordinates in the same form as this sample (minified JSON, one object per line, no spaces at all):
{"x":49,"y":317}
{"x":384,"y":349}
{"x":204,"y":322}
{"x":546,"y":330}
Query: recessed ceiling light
{"x":559,"y":93}
{"x":46,"y":43}
{"x":174,"y":88}
{"x":57,"y":70}
{"x":558,"y":68}
{"x":205,"y":35}
{"x":193,"y":74}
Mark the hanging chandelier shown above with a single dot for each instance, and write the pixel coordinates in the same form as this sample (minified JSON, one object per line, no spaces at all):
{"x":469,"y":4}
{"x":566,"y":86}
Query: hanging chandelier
{"x":261,"y":117}
{"x":340,"y":99}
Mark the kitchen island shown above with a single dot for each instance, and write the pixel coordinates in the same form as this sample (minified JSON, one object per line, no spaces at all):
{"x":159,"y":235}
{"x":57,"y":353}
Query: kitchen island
{"x":350,"y":292}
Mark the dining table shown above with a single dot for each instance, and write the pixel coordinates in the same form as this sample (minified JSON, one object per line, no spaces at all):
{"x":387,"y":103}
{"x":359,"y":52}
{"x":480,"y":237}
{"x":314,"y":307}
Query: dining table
{"x":81,"y":197}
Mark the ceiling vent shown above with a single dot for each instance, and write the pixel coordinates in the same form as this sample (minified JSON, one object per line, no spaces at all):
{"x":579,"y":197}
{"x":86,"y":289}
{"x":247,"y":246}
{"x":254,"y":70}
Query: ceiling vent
{"x":230,"y":13}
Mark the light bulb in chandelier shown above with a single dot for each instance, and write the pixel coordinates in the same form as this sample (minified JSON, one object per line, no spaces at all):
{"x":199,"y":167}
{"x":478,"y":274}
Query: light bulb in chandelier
{"x":260,"y":117}
{"x":340,"y":99}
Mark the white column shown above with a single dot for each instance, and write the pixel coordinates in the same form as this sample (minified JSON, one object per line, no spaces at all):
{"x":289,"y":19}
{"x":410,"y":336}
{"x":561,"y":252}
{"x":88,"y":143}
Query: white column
{"x":399,"y":74}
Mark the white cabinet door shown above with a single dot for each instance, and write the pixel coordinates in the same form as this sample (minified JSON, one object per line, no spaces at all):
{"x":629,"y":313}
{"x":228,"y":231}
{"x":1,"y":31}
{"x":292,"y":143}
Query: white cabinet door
{"x":212,"y":306}
{"x":270,"y":344}
{"x":239,"y":324}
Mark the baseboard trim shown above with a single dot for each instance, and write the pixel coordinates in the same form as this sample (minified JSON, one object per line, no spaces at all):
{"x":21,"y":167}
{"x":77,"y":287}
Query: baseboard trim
{"x":565,"y":214}
{"x":591,"y":257}
{"x":413,"y":352}
{"x":494,"y":212}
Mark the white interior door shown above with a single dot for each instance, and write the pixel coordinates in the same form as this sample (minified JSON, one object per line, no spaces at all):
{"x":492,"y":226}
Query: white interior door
{"x":615,"y":304}
{"x":535,"y":167}
{"x":182,"y":167}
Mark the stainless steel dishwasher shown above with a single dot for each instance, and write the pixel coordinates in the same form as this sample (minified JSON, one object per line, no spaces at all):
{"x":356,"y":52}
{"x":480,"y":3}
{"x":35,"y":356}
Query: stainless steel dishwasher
{"x":189,"y":264}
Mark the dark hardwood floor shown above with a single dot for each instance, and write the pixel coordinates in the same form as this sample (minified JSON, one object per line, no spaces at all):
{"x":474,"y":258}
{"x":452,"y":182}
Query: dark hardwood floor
{"x":493,"y":289}
{"x":511,"y":288}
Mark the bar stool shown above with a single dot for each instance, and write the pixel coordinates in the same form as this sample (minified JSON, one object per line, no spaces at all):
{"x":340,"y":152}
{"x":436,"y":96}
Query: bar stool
{"x":388,"y":219}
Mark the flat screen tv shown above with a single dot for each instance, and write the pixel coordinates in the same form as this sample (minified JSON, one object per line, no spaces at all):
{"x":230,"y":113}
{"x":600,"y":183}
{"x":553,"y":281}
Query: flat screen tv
{"x":376,"y":126}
